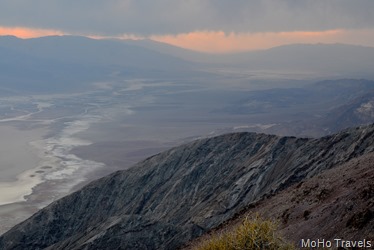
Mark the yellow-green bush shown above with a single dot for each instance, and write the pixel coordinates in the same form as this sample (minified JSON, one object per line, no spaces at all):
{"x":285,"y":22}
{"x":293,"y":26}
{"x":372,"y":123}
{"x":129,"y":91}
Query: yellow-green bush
{"x":253,"y":233}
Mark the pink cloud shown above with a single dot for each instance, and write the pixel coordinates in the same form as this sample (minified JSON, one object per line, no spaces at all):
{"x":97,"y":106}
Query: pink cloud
{"x":23,"y":32}
{"x":213,"y":42}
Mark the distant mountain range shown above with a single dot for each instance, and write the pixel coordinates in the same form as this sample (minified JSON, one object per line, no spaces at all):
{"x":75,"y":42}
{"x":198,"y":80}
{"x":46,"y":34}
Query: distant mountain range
{"x":173,"y":197}
{"x":339,"y":60}
{"x":314,"y":109}
{"x":68,"y":62}
{"x":314,"y":57}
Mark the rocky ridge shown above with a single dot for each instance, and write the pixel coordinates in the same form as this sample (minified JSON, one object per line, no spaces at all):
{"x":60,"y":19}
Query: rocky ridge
{"x":335,"y":204}
{"x":175,"y":196}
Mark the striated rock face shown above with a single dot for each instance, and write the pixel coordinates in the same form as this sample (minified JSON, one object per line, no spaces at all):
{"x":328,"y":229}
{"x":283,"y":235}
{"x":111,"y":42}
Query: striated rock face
{"x":335,"y":204}
{"x":175,"y":196}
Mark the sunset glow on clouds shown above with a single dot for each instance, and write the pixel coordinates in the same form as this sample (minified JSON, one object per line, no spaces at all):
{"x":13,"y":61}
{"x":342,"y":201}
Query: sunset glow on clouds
{"x":221,"y":42}
{"x":204,"y":25}
{"x":23,"y":32}
{"x":213,"y":42}
{"x":233,"y":42}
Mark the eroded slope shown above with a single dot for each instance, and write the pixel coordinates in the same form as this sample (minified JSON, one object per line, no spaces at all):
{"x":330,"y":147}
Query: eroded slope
{"x":177,"y":195}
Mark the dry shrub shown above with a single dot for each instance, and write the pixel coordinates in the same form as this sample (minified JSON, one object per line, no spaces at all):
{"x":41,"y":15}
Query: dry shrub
{"x":252,"y":233}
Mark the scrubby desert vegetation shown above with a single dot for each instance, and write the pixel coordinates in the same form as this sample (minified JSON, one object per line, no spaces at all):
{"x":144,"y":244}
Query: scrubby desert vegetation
{"x":251,"y":233}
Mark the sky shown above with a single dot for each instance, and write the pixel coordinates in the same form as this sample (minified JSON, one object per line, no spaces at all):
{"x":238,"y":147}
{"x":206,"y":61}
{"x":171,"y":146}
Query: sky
{"x":215,"y":26}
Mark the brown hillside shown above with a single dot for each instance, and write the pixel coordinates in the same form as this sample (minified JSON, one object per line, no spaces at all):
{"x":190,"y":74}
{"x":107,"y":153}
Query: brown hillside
{"x":337,"y":204}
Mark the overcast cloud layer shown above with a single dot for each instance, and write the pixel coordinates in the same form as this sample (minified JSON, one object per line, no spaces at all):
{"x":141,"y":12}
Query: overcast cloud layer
{"x":146,"y":17}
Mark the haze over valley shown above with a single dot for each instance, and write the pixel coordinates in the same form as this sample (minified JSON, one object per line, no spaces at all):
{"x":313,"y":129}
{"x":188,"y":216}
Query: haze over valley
{"x":76,"y":109}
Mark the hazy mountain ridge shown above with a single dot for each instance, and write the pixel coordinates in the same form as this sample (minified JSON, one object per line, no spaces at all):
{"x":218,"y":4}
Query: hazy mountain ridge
{"x":313,"y":110}
{"x":86,"y":50}
{"x":68,"y":62}
{"x":332,"y":60}
{"x":359,"y":110}
{"x":327,"y":58}
{"x":177,"y":195}
{"x":327,"y":93}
